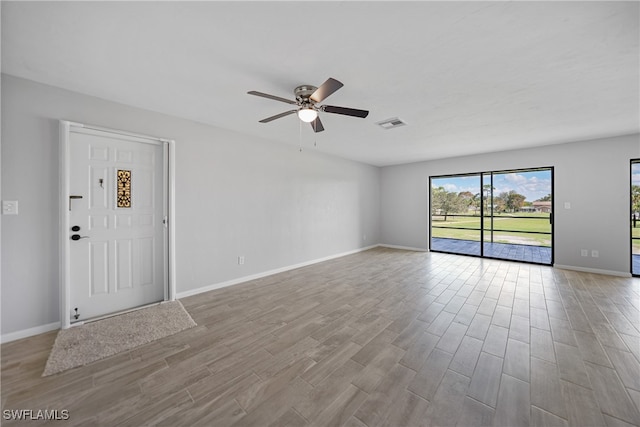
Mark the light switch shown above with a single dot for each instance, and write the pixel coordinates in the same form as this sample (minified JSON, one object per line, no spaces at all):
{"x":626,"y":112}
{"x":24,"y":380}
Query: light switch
{"x":567,"y":205}
{"x":9,"y":207}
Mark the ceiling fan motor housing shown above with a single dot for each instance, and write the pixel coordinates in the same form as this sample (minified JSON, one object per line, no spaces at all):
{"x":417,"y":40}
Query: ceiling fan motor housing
{"x":303,"y":93}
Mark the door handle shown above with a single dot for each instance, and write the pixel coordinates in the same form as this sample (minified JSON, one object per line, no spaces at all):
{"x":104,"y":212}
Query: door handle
{"x":78,"y":237}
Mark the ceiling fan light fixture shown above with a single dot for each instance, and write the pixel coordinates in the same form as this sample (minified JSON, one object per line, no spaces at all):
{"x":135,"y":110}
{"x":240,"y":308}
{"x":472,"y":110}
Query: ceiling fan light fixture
{"x":307,"y":115}
{"x":308,"y":109}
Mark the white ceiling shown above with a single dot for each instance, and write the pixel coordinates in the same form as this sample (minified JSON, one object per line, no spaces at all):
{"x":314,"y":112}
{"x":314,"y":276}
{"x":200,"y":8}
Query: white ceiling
{"x":467,"y":77}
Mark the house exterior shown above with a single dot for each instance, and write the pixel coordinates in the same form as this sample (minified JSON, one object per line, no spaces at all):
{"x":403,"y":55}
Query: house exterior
{"x":544,"y":207}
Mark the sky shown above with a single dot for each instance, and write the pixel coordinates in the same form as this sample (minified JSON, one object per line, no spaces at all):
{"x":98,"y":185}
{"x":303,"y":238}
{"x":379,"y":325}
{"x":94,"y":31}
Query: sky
{"x":533,"y":185}
{"x":635,"y":173}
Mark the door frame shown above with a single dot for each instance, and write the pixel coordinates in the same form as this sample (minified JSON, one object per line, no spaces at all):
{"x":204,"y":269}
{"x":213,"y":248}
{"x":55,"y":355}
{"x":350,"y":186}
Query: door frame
{"x":631,"y":238}
{"x":65,"y":128}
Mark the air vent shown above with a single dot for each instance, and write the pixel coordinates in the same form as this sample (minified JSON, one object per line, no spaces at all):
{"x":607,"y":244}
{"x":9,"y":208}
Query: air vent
{"x":391,"y":123}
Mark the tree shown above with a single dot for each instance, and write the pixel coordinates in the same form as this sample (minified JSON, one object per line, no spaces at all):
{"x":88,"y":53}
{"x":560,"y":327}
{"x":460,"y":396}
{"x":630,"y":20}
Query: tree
{"x":546,"y":198}
{"x":499,"y":203}
{"x":465,"y":200}
{"x":445,"y":201}
{"x":635,"y":198}
{"x":486,"y":191}
{"x":512,"y":200}
{"x":476,"y":203}
{"x":635,"y":202}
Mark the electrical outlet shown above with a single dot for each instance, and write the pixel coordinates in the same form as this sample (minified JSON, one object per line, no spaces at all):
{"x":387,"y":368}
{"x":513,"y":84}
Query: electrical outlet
{"x":364,"y":237}
{"x":595,"y":254}
{"x":584,"y":252}
{"x":241,"y":260}
{"x":567,"y":205}
{"x":9,"y":207}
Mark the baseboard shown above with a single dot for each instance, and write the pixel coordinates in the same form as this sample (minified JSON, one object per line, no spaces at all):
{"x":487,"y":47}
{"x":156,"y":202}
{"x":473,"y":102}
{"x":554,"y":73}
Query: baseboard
{"x":25,"y":333}
{"x":593,"y":270}
{"x":243,"y":279}
{"x":404,"y":248}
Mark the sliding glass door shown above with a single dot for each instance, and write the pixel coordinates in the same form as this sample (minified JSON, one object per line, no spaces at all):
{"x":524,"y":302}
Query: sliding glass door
{"x":519,"y":217}
{"x":635,"y":217}
{"x":455,"y":214}
{"x":497,"y":214}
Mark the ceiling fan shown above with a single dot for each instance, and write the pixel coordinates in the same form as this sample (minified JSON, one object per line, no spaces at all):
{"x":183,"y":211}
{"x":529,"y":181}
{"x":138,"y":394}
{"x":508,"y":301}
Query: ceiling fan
{"x":307,"y":101}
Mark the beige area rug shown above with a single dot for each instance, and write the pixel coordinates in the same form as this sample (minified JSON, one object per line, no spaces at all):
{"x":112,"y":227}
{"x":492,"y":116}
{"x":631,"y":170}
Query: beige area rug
{"x":81,"y":345}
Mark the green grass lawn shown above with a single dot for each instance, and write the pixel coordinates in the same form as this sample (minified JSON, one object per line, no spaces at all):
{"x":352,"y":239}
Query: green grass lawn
{"x":498,"y":236}
{"x":533,"y":223}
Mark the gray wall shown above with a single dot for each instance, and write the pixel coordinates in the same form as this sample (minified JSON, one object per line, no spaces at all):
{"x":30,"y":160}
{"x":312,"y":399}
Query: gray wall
{"x":592,"y":175}
{"x":235,"y":195}
{"x":238,"y":195}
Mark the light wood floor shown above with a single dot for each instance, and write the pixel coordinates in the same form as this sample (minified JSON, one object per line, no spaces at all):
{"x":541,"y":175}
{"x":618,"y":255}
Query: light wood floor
{"x":380,"y":338}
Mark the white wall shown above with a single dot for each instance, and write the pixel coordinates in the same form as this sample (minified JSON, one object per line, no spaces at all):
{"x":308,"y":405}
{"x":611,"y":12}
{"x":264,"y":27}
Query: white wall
{"x":235,"y":195}
{"x":594,"y":176}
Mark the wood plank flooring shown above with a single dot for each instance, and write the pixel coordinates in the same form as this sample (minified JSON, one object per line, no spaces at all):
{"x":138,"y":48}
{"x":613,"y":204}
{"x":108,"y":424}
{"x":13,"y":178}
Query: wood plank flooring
{"x":380,"y":338}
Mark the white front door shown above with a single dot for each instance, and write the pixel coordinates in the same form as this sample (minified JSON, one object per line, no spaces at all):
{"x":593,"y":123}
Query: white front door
{"x":117,"y":223}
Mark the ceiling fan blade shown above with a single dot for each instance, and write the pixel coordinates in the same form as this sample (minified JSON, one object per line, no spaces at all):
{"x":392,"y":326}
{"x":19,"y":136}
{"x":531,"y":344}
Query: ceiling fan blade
{"x":277,"y":116}
{"x":326,"y":89}
{"x":353,"y":112}
{"x":317,"y":125}
{"x":275,"y":98}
